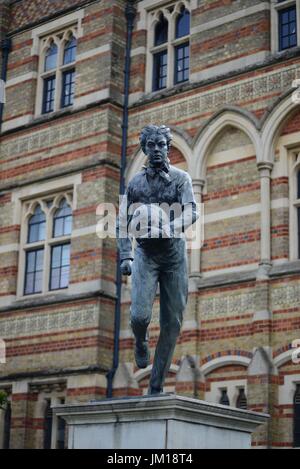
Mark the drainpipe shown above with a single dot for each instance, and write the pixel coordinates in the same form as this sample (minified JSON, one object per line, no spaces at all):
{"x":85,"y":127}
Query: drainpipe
{"x":130,"y":12}
{"x":5,"y":46}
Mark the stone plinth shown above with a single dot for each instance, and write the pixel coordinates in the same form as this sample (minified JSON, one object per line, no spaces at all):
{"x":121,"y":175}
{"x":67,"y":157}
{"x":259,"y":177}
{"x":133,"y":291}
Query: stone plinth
{"x":165,"y":422}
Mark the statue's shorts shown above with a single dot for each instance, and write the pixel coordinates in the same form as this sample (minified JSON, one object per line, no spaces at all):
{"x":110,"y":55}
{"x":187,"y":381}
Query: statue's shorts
{"x":162,"y":263}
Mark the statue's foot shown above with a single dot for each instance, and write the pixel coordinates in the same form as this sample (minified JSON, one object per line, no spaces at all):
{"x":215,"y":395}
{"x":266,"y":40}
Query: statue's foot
{"x":142,"y":354}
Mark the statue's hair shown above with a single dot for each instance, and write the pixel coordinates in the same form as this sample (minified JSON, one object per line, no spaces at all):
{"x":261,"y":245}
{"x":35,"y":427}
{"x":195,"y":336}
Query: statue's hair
{"x":150,"y":129}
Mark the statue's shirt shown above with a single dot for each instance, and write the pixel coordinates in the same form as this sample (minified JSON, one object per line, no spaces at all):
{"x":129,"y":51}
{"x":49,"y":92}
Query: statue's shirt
{"x":151,"y":186}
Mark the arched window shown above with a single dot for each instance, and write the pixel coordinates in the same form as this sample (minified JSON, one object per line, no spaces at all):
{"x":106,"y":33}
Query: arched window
{"x":224,"y":399}
{"x":183,"y":23}
{"x":58,"y":72}
{"x":182,"y":51}
{"x":51,"y":57}
{"x":241,"y":402}
{"x":70,"y":51}
{"x":36,"y":226}
{"x":160,"y":59}
{"x":62,"y":220}
{"x":161,"y":31}
{"x":68,"y":77}
{"x":60,"y":254}
{"x":46,"y":252}
{"x":297,"y":417}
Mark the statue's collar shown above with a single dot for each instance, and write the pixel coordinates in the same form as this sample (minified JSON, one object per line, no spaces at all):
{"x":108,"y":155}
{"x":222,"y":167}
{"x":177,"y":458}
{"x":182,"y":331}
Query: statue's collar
{"x":162,"y":170}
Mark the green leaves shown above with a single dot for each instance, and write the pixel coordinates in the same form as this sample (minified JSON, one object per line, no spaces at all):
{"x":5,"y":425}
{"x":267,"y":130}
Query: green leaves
{"x":3,"y":399}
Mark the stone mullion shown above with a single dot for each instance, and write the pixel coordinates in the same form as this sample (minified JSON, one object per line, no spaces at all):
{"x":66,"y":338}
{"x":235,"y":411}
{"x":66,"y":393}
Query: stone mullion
{"x":47,"y":252}
{"x":19,"y":415}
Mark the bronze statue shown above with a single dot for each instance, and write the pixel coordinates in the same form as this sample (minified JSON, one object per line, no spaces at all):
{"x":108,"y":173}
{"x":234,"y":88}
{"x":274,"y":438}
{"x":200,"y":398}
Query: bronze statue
{"x":160,"y":255}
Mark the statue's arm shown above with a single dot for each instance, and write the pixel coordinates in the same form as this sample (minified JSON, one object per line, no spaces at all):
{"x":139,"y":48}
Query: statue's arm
{"x":123,"y":237}
{"x":190,"y":213}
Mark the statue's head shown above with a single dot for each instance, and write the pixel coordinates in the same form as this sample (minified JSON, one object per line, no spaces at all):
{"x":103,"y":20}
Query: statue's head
{"x":155,"y":142}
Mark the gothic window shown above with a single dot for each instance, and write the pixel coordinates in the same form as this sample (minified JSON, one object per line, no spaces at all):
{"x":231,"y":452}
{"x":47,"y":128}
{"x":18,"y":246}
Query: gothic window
{"x":169,"y":45}
{"x":47,"y":244}
{"x":241,"y":402}
{"x":57,"y":70}
{"x":224,"y":399}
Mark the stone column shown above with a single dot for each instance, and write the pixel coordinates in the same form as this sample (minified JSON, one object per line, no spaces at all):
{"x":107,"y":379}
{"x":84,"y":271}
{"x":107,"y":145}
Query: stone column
{"x":195,"y":270}
{"x":19,"y":414}
{"x":265,"y":169}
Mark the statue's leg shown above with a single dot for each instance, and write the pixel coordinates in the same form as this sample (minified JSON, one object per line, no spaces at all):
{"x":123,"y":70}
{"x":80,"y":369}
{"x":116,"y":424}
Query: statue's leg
{"x":144,"y":285}
{"x":173,"y":298}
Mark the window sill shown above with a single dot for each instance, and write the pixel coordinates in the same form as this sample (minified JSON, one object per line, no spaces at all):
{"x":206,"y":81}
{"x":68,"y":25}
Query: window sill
{"x":165,"y":92}
{"x":49,"y":299}
{"x":39,"y":296}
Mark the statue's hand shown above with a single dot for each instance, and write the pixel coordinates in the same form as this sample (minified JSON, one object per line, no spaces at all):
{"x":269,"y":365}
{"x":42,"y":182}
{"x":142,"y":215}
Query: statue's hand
{"x":126,"y":266}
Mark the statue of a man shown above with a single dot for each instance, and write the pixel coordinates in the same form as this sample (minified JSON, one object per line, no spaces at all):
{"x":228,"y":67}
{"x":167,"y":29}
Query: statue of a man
{"x":160,"y":258}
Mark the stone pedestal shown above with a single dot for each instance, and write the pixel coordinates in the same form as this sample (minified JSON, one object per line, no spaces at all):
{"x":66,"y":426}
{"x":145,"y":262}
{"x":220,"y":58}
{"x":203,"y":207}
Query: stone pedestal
{"x":165,"y":422}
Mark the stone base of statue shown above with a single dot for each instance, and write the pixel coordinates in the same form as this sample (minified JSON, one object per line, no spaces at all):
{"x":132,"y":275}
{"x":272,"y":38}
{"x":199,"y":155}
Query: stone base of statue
{"x":164,"y":422}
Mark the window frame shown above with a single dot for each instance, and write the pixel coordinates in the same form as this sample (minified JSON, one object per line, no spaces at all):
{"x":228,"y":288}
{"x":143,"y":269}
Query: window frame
{"x":176,"y":48}
{"x":47,"y":244}
{"x":275,"y":36}
{"x":170,"y":46}
{"x":64,"y":85}
{"x":60,"y":38}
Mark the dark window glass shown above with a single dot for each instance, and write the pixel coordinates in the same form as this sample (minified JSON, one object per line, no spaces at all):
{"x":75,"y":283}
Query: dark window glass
{"x":297,"y":417}
{"x":34,"y":271}
{"x":60,"y":267}
{"x":61,"y":431}
{"x":224,"y":398}
{"x":241,"y":402}
{"x":51,"y":58}
{"x":49,"y":94}
{"x":160,"y":70}
{"x":68,"y":88}
{"x":70,"y":51}
{"x":298,"y":185}
{"x":287,"y":28}
{"x":62,"y":220}
{"x":48,"y":425}
{"x":182,"y":62}
{"x":7,"y":426}
{"x":161,"y":31}
{"x":36,"y":226}
{"x":183,"y":23}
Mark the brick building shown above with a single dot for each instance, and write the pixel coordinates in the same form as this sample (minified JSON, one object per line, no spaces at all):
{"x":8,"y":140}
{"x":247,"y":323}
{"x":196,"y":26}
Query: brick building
{"x":218,"y":72}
